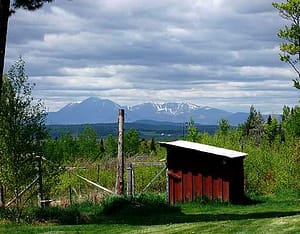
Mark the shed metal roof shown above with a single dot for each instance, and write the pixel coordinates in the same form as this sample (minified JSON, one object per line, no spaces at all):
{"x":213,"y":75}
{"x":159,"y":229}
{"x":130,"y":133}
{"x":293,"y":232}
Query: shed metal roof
{"x":205,"y":148}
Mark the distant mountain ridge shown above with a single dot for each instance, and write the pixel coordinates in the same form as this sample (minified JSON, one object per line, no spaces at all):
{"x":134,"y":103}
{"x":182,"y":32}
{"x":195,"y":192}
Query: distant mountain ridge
{"x":97,"y":110}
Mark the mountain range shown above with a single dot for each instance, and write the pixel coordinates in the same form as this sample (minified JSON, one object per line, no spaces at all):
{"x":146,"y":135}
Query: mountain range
{"x":97,"y":110}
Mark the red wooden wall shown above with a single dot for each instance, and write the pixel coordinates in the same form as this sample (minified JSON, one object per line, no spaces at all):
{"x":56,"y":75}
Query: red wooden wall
{"x":195,"y":174}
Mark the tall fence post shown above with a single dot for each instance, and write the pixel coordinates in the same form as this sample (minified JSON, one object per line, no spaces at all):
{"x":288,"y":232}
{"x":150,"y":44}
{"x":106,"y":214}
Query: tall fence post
{"x":133,"y":180}
{"x":40,"y":180}
{"x":120,"y":160}
{"x":167,"y":185}
{"x":98,"y":173}
{"x":129,"y":181}
{"x":2,"y":200}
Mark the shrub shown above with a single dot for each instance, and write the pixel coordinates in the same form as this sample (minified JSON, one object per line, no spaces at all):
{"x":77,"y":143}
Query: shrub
{"x":113,"y":204}
{"x":70,"y":215}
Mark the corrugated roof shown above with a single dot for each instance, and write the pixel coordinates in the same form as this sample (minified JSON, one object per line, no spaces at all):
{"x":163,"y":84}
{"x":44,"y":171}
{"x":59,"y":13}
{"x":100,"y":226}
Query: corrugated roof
{"x":205,"y":148}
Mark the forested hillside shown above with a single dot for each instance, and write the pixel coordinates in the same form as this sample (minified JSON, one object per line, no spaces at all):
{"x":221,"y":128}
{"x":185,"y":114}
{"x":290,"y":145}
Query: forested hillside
{"x":146,"y":129}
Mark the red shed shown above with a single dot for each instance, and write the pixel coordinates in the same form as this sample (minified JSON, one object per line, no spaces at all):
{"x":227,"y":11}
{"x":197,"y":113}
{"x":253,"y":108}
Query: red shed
{"x":197,"y":170}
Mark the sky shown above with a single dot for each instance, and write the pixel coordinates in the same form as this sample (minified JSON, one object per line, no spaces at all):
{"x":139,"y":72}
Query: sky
{"x":217,"y":53}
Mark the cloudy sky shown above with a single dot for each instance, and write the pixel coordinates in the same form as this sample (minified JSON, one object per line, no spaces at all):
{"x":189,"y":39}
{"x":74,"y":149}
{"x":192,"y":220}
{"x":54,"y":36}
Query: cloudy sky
{"x":215,"y":53}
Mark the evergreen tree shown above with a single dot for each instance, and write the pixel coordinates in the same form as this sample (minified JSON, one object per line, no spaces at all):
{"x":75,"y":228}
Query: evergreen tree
{"x":101,"y":146}
{"x":192,"y":132}
{"x":271,"y":129}
{"x":224,"y":127}
{"x":254,"y":125}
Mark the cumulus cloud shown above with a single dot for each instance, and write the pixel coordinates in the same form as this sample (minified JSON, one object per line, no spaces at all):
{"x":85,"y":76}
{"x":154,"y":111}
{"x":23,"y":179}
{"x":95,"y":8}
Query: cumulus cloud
{"x":217,"y":53}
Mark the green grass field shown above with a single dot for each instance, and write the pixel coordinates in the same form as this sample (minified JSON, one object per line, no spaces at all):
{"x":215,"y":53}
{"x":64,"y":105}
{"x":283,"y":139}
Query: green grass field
{"x":268,"y":215}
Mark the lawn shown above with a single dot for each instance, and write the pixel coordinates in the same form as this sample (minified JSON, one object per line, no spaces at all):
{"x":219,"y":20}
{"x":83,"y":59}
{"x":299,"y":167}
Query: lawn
{"x":267,"y":215}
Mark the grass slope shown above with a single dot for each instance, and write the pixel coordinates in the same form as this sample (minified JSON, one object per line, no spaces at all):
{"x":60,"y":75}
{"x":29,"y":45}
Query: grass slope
{"x":270,"y":215}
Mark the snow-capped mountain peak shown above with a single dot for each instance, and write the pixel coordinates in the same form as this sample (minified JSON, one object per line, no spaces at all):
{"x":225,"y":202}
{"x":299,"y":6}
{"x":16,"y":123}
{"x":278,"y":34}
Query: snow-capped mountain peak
{"x":96,"y":110}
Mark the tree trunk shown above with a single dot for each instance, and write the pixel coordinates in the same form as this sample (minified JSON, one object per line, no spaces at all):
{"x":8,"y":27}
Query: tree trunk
{"x":2,"y":200}
{"x":4,"y":13}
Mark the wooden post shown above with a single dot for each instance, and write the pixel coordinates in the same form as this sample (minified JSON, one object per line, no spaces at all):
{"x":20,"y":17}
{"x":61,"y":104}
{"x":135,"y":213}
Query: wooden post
{"x":132,"y":180}
{"x":120,"y":160}
{"x":129,"y":181}
{"x":167,"y":185}
{"x":40,"y":181}
{"x":98,"y":173}
{"x":2,"y":200}
{"x":70,"y":190}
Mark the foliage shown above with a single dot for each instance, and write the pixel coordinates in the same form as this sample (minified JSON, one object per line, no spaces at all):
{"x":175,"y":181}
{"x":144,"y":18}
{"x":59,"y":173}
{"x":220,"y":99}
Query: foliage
{"x":111,"y":146}
{"x":8,"y":7}
{"x":29,"y":4}
{"x":87,"y":143}
{"x":145,"y":130}
{"x":273,"y":162}
{"x":224,"y":127}
{"x":254,"y":125}
{"x":192,"y":132}
{"x":113,"y":204}
{"x":148,"y":147}
{"x":290,"y":11}
{"x":291,"y":121}
{"x":145,"y":205}
{"x":23,"y":130}
{"x":131,"y":142}
{"x":67,"y":216}
{"x":272,"y":129}
{"x":144,"y":174}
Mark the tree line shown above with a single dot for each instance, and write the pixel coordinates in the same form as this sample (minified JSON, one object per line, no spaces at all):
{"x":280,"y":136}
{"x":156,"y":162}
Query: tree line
{"x":273,"y":161}
{"x":87,"y":146}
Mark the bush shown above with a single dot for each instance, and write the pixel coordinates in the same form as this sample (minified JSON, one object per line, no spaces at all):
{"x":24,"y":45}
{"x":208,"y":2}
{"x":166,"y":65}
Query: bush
{"x":113,"y":204}
{"x":144,"y":205}
{"x":70,"y":215}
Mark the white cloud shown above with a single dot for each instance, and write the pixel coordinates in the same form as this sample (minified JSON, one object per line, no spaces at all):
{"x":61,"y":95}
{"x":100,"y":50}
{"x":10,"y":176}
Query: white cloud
{"x":218,"y":53}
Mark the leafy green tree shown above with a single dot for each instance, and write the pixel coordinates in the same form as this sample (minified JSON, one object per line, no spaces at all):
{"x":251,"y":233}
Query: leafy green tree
{"x":111,"y":146}
{"x":131,"y":142}
{"x":68,"y":146}
{"x":290,"y":10}
{"x":23,"y":131}
{"x":63,"y":149}
{"x":6,"y":8}
{"x":87,"y":143}
{"x":148,"y":147}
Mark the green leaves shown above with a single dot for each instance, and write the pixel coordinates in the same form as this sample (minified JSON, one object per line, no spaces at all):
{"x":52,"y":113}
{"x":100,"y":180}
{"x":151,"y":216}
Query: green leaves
{"x":224,"y":127}
{"x":290,"y":11}
{"x":23,"y":130}
{"x":87,"y":143}
{"x":131,"y":142}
